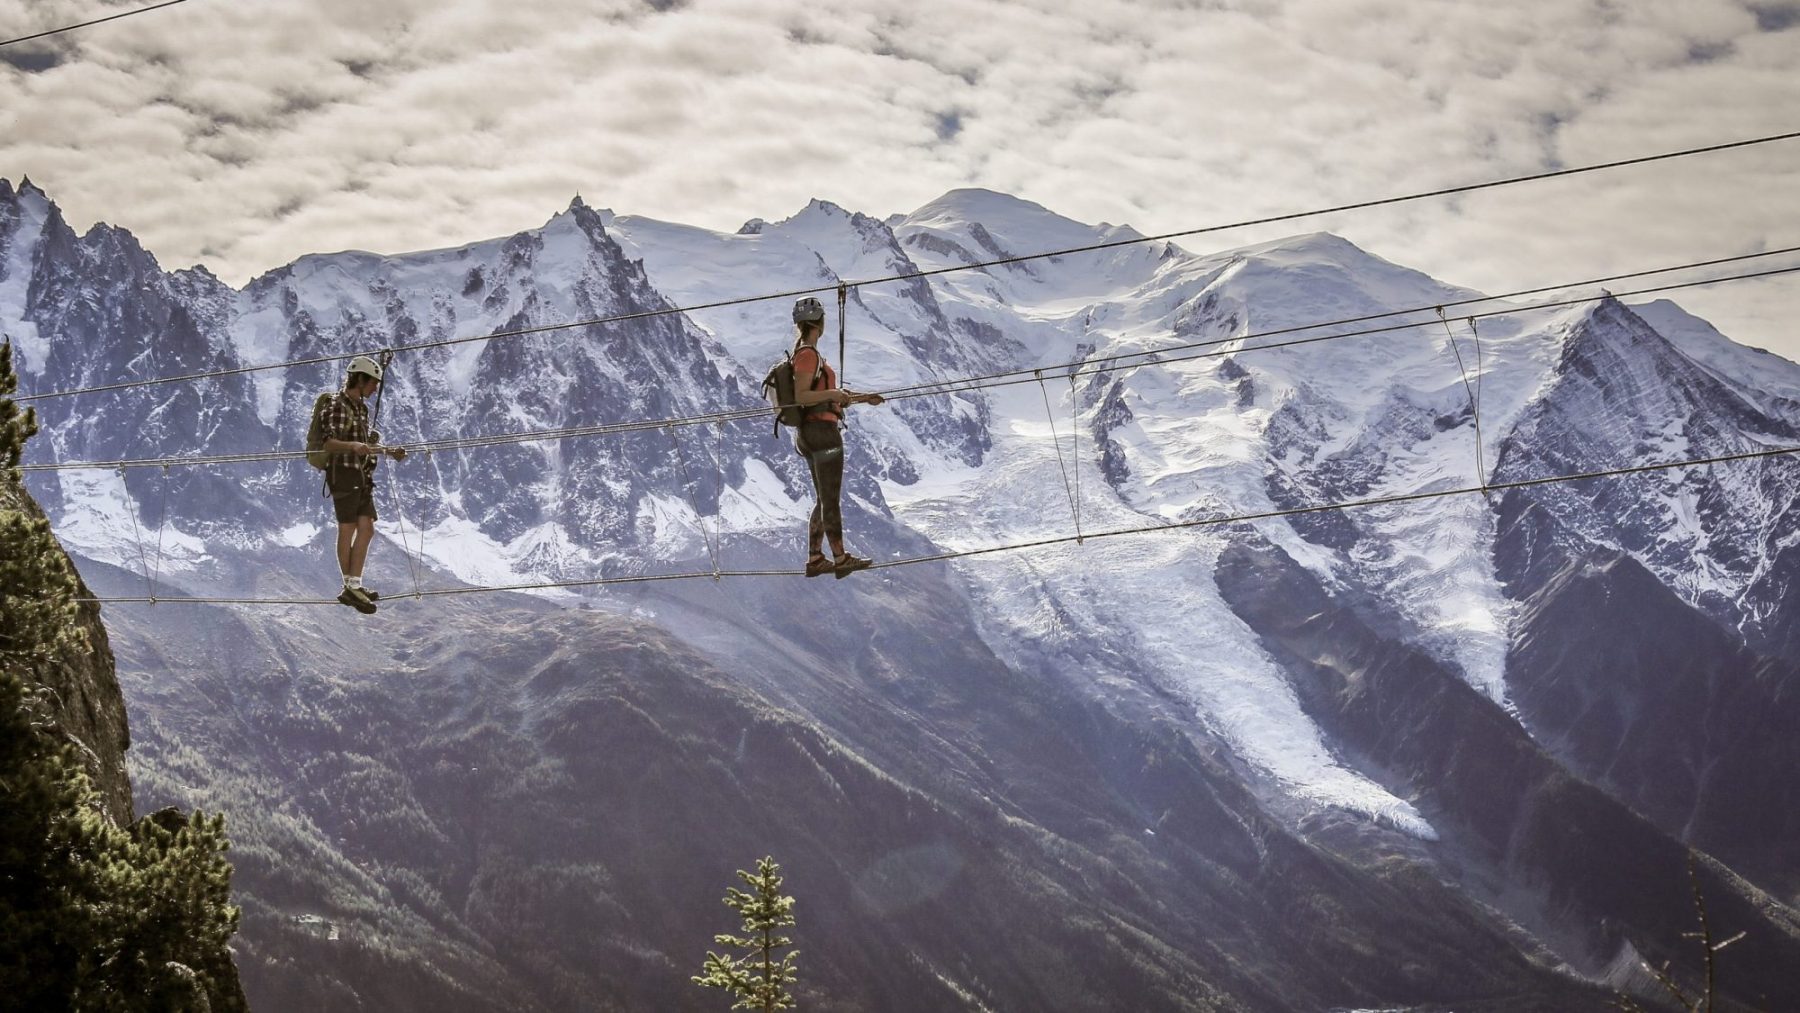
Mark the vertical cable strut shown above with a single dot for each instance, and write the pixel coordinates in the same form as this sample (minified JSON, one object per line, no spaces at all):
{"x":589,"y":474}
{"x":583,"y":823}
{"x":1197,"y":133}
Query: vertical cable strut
{"x":439,"y":482}
{"x":1056,"y":441}
{"x":162,"y":521}
{"x":718,"y":496}
{"x":406,"y":549}
{"x":387,"y":358}
{"x":1075,"y":451}
{"x":413,"y":563}
{"x":712,"y":553}
{"x":1475,"y":333}
{"x":1474,"y":401}
{"x":843,"y":294}
{"x":137,"y":533}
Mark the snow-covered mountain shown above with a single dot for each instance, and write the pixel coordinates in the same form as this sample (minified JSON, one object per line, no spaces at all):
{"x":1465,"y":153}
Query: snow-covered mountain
{"x":1181,"y":627}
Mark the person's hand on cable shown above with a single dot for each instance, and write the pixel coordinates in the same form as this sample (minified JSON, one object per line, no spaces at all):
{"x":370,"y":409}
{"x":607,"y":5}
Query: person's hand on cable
{"x":374,"y":447}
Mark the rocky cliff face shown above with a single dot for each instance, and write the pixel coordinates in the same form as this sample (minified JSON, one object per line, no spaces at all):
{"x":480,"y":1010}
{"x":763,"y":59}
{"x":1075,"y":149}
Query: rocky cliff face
{"x":1721,"y":538}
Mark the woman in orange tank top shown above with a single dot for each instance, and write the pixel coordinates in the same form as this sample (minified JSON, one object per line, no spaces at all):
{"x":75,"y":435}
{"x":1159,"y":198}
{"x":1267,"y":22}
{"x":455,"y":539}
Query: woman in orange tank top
{"x":820,"y":442}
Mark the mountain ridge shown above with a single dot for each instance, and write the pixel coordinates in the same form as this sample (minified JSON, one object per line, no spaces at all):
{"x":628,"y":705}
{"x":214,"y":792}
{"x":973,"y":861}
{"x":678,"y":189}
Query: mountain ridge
{"x":1159,"y":636}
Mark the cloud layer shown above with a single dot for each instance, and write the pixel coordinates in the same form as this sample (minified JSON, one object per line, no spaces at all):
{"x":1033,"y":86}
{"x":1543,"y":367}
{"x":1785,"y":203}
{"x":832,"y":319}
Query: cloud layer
{"x":243,"y":134}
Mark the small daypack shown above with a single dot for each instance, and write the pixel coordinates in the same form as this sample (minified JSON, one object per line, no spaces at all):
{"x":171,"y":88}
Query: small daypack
{"x":779,"y":388}
{"x":315,"y":436}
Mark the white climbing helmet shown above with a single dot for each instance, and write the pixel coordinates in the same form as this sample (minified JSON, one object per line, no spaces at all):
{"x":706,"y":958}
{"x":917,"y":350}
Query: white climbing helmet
{"x":366,"y":366}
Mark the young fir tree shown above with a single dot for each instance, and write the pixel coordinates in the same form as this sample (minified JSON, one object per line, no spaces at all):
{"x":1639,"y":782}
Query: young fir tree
{"x":93,"y":916}
{"x":1702,"y":1001}
{"x":36,"y":590}
{"x":759,"y":981}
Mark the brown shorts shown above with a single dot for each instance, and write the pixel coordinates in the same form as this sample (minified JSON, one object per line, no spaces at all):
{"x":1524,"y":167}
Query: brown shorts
{"x":351,"y":504}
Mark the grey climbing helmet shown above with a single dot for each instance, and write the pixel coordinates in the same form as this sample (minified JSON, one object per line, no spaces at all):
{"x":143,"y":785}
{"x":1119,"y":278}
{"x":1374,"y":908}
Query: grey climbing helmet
{"x":808,"y":311}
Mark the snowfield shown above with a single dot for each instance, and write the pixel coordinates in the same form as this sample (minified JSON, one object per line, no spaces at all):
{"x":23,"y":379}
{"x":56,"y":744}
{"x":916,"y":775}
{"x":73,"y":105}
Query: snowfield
{"x":1223,"y":428}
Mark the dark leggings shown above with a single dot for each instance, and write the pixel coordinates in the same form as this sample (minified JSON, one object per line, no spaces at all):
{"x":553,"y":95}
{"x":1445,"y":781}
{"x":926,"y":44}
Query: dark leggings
{"x":823,"y":447}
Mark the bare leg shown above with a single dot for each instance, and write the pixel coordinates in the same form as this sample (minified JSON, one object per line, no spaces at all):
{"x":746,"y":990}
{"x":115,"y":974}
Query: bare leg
{"x":346,"y":534}
{"x":365,"y":531}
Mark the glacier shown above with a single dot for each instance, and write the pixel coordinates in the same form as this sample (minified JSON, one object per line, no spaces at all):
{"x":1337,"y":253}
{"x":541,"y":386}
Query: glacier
{"x":1238,"y":430}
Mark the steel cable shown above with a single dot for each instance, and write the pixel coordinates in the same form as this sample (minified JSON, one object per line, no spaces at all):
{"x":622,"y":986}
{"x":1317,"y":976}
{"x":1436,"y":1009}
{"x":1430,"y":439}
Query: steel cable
{"x":934,"y":272}
{"x":1217,"y":521}
{"x":1155,"y":356}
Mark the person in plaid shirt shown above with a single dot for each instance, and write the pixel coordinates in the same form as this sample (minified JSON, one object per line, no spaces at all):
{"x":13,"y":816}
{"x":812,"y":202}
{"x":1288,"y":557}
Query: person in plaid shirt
{"x":354,"y":450}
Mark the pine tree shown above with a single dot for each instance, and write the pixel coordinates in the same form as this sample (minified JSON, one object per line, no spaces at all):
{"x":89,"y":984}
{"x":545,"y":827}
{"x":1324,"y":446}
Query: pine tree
{"x":37,"y":591}
{"x":1703,"y":999}
{"x":93,"y":916}
{"x":15,"y":426}
{"x":757,"y":979}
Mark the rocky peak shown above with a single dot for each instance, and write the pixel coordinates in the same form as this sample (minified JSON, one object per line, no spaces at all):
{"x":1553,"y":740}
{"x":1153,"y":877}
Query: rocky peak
{"x":1763,"y":375}
{"x":590,"y":221}
{"x":1616,"y":355}
{"x":26,"y":188}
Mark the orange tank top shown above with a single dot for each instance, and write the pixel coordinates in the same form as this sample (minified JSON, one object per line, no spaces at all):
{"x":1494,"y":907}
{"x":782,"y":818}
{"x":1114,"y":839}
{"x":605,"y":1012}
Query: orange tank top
{"x":807,"y":363}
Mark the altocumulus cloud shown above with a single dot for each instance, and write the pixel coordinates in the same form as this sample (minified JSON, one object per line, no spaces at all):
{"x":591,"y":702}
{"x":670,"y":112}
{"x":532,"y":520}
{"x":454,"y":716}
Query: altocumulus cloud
{"x":247,"y":133}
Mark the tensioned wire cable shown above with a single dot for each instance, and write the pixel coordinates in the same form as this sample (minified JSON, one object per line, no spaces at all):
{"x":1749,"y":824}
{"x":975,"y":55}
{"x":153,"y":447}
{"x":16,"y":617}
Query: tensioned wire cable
{"x":1204,"y":522}
{"x":933,"y":272}
{"x":95,"y":21}
{"x":1106,"y":364}
{"x":1158,"y":359}
{"x":1099,"y":363}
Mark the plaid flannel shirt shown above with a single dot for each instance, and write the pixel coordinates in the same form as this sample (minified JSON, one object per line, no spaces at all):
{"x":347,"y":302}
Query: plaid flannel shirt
{"x":347,"y":418}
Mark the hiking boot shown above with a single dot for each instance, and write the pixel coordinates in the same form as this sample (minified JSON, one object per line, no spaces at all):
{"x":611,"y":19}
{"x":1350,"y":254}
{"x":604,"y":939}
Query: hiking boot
{"x":818,"y":566}
{"x":847,"y":564}
{"x":358,"y":599}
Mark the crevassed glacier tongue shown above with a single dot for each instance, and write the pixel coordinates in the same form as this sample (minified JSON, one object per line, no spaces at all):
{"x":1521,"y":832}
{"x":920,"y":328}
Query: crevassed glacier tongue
{"x":1154,"y":593}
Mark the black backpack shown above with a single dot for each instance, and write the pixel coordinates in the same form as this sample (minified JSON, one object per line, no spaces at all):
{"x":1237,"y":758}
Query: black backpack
{"x":778,"y":389}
